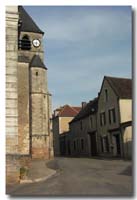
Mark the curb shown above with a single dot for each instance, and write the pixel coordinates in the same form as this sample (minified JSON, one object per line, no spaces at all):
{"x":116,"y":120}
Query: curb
{"x":38,"y":179}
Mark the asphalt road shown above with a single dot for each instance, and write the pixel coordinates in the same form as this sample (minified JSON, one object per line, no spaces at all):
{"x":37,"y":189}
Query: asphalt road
{"x":83,"y":177}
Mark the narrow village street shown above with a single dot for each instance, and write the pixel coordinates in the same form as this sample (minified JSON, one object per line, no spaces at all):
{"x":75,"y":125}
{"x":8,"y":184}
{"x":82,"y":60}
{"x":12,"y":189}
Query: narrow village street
{"x":82,"y":176}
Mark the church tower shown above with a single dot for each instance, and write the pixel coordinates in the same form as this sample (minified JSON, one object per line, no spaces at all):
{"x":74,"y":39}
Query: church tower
{"x":34,"y":99}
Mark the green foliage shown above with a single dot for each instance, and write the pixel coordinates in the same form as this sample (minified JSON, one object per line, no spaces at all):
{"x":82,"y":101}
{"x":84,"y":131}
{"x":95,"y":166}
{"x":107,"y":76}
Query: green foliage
{"x":23,"y":172}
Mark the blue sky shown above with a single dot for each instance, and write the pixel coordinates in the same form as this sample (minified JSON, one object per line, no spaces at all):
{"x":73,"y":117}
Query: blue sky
{"x":82,"y":44}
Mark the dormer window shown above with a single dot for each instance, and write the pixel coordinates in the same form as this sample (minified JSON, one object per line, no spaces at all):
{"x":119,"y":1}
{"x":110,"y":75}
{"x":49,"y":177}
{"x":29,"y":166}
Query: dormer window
{"x":25,"y":43}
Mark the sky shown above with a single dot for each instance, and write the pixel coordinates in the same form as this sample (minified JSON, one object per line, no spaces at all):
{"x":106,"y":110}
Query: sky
{"x":83,"y":44}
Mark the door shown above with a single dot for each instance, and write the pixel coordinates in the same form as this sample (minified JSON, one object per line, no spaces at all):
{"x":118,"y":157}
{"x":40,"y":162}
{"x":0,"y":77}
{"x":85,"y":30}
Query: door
{"x":93,"y":144}
{"x":69,"y":151}
{"x":118,"y":144}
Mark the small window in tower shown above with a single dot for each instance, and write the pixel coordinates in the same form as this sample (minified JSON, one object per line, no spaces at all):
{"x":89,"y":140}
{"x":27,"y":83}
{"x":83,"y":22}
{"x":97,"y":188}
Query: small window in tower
{"x":36,"y":73}
{"x":25,"y":43}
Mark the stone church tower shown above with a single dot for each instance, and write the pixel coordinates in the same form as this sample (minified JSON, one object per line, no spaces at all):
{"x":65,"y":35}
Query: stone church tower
{"x":33,"y":100}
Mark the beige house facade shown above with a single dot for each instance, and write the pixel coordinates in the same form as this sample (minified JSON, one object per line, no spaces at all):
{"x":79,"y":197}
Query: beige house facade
{"x":60,"y":120}
{"x":28,"y":101}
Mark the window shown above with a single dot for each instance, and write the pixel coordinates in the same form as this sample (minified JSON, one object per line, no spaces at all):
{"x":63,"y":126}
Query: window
{"x":106,"y":95}
{"x":25,"y":43}
{"x":101,"y":141}
{"x":81,"y":125}
{"x":37,"y":73}
{"x":112,"y":116}
{"x":91,"y":122}
{"x":74,"y":145}
{"x":106,"y":144}
{"x":102,"y":119}
{"x":82,"y":144}
{"x":77,"y":144}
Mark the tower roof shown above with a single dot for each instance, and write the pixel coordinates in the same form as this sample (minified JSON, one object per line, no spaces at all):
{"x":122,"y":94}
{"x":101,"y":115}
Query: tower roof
{"x":27,"y":23}
{"x":37,"y":62}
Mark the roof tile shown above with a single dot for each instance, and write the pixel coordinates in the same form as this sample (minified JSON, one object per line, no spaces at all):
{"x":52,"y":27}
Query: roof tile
{"x":121,"y":86}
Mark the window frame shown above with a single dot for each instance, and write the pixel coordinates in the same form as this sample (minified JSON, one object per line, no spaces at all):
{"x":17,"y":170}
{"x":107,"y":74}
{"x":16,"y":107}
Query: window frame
{"x":106,"y":95}
{"x":25,"y":43}
{"x":112,"y":115}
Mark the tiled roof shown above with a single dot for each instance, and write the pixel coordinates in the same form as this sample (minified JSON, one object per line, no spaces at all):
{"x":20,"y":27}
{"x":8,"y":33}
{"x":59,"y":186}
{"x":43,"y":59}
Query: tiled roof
{"x":76,"y":108}
{"x":89,"y":109}
{"x":27,"y":23}
{"x":68,"y":111}
{"x":37,"y":62}
{"x":121,"y":86}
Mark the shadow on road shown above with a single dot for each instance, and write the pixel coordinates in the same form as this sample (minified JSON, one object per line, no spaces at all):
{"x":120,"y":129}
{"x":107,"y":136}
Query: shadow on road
{"x":127,"y":171}
{"x":53,"y":164}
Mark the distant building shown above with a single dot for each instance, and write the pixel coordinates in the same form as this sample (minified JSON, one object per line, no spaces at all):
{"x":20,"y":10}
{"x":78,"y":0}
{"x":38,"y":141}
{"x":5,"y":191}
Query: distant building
{"x":60,"y":119}
{"x":28,"y":101}
{"x":83,"y":130}
{"x":115,"y":117}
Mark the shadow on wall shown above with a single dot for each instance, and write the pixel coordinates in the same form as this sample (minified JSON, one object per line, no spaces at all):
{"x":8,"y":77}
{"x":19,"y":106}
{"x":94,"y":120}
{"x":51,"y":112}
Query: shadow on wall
{"x":128,"y":150}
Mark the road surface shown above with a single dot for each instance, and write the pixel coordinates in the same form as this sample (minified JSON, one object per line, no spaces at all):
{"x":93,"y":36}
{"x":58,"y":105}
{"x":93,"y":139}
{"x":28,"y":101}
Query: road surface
{"x":82,"y":176}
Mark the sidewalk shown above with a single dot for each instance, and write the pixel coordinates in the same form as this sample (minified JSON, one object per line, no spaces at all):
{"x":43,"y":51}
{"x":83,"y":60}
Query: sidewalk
{"x":39,"y":171}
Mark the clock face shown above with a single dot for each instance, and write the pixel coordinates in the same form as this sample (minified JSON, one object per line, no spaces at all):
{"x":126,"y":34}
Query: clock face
{"x":36,"y":43}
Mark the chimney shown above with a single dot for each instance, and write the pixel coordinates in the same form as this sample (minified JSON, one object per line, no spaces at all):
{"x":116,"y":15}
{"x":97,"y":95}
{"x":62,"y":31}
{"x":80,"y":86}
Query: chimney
{"x":83,"y":104}
{"x":56,"y":112}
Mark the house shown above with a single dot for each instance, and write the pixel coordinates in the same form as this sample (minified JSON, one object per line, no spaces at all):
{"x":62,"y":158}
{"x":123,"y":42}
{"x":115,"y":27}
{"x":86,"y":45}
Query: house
{"x":28,"y":101}
{"x":60,"y":120}
{"x":83,"y":130}
{"x":115,"y":117}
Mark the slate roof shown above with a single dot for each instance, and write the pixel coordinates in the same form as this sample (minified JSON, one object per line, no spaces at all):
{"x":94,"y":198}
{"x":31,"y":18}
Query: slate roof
{"x":89,"y":109}
{"x":68,"y":111}
{"x":121,"y":86}
{"x":37,"y":62}
{"x":27,"y":23}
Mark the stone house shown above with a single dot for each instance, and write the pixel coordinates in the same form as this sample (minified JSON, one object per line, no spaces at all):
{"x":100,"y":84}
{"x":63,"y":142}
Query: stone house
{"x":60,"y":120}
{"x":115,"y":117}
{"x":83,"y":131}
{"x":28,"y":101}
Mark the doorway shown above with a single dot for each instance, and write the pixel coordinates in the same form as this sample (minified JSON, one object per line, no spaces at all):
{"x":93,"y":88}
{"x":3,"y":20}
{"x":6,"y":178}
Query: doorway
{"x":118,"y":144}
{"x":117,"y":140}
{"x":93,"y":144}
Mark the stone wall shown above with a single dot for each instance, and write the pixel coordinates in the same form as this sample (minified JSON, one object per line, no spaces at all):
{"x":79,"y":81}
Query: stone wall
{"x":12,"y":164}
{"x":33,"y":51}
{"x":12,"y":169}
{"x":127,"y":140}
{"x":23,"y":108}
{"x":40,"y":109}
{"x":104,"y":106}
{"x":77,"y":133}
{"x":55,"y":122}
